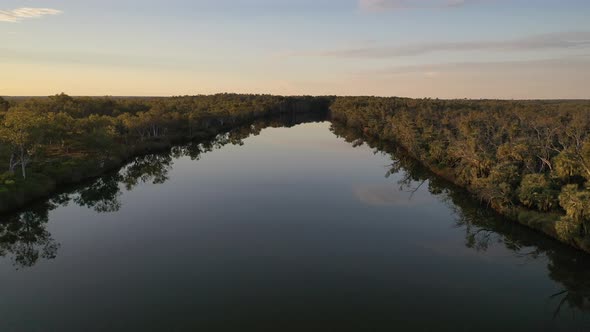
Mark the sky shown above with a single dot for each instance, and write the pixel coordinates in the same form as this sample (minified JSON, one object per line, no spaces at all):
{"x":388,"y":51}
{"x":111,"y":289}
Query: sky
{"x":509,"y":49}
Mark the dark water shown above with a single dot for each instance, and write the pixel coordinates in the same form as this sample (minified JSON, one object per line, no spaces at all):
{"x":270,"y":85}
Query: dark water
{"x":306,"y":228}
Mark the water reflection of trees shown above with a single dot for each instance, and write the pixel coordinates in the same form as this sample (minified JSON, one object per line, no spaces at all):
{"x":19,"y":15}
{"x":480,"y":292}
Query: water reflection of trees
{"x":485,"y":229}
{"x":24,"y":237}
{"x":196,"y":149}
{"x":102,"y":195}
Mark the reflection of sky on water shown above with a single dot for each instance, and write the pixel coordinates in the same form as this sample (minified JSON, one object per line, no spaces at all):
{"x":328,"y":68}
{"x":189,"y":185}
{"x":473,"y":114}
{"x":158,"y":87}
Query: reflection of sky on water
{"x":390,"y":194}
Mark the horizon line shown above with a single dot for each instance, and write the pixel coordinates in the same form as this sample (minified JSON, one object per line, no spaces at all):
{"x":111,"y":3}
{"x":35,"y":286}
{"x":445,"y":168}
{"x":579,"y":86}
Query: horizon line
{"x":300,"y":95}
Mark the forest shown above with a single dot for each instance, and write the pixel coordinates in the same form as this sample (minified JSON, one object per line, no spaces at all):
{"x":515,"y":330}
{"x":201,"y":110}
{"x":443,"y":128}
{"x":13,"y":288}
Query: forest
{"x":527,"y":160}
{"x":46,"y":143}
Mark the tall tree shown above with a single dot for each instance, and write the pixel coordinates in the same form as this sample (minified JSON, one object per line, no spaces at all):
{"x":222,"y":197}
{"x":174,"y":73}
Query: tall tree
{"x":22,"y":131}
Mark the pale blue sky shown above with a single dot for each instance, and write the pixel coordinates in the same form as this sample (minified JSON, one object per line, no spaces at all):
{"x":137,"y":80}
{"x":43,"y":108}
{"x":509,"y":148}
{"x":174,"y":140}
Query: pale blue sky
{"x":417,"y":48}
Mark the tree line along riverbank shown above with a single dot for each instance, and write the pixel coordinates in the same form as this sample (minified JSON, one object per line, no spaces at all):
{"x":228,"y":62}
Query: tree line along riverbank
{"x":528,"y":160}
{"x":59,"y":140}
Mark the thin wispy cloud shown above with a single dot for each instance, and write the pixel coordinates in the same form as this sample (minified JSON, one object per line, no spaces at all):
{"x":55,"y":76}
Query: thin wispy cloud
{"x":560,"y":40}
{"x":383,"y":5}
{"x":577,"y":64}
{"x":557,"y":78}
{"x":19,"y":14}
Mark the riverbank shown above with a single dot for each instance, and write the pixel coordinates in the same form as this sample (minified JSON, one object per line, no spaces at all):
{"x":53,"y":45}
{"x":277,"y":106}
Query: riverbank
{"x":52,"y":175}
{"x":542,"y":222}
{"x":527,"y":160}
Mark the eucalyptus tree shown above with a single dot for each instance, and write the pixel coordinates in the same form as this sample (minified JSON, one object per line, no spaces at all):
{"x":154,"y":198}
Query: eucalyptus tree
{"x":23,"y":131}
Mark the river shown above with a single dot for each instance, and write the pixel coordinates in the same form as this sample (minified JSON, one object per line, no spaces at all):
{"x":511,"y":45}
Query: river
{"x":291,"y":224}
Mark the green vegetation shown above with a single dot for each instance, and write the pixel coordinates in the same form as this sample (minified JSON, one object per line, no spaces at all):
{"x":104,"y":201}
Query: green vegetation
{"x":49,"y":142}
{"x":528,"y":160}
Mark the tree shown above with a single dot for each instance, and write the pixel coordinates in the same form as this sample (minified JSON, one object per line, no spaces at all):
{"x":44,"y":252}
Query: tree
{"x":22,"y":131}
{"x":61,"y":128}
{"x":536,"y":192}
{"x":97,"y":133}
{"x":4,"y":105}
{"x":64,"y":103}
{"x":576,"y":204}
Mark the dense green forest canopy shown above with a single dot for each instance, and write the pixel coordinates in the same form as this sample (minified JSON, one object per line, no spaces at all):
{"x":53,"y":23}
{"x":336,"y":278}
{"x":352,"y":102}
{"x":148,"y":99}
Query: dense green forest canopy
{"x":529,"y":160}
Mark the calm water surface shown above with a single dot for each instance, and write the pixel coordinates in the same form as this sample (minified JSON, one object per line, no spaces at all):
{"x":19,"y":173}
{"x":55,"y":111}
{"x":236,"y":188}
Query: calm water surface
{"x":306,"y":228}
